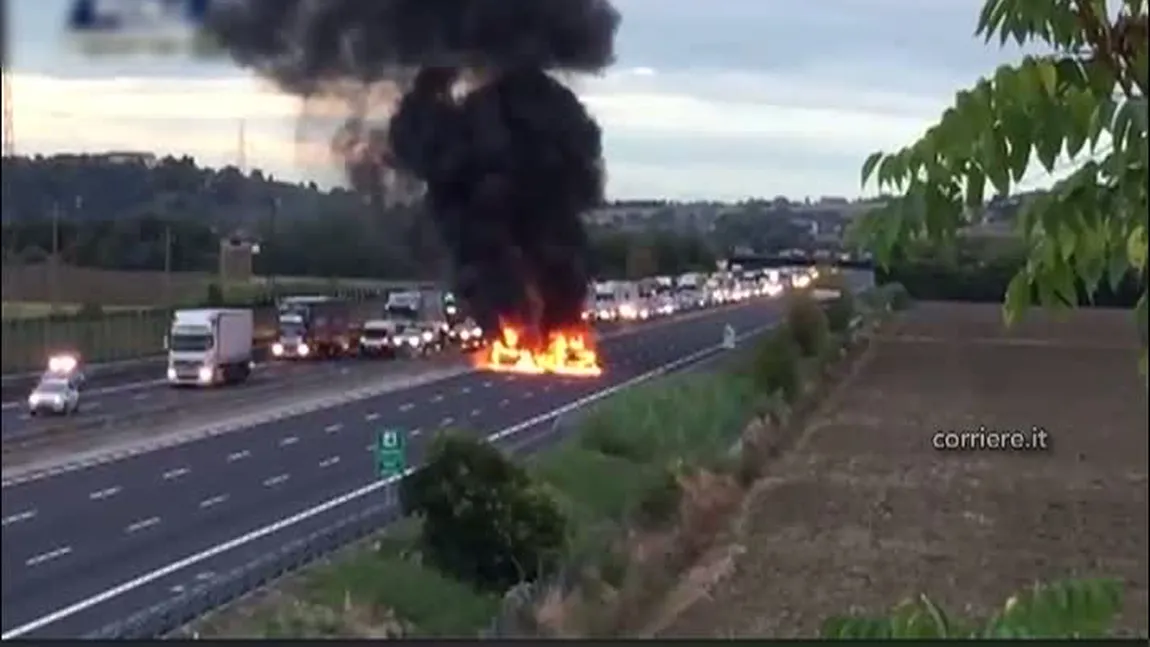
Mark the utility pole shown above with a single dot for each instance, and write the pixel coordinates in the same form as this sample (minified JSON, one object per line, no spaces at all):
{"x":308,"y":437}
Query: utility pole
{"x":168,"y":265}
{"x":275,"y":211}
{"x":54,"y":269}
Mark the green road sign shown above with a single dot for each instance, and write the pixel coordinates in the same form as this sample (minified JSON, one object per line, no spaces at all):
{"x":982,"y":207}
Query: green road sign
{"x":391,"y":453}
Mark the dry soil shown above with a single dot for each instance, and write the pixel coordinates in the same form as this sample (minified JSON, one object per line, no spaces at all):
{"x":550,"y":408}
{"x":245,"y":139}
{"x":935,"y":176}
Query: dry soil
{"x":864,"y":512}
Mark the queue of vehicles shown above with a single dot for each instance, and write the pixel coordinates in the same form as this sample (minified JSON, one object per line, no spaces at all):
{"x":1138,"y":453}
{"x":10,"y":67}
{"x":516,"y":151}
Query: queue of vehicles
{"x":209,"y":347}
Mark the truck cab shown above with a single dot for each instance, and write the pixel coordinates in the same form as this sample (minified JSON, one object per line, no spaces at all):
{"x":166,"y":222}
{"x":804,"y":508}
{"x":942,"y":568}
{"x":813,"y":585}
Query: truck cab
{"x":375,"y":338}
{"x":314,"y":326}
{"x":207,"y":347}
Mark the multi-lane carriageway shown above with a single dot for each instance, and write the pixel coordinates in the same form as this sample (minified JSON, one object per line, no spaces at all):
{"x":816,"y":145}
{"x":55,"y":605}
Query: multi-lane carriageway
{"x":85,"y":547}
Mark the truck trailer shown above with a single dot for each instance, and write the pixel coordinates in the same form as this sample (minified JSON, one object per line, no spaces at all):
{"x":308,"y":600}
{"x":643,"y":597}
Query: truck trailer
{"x":207,"y":347}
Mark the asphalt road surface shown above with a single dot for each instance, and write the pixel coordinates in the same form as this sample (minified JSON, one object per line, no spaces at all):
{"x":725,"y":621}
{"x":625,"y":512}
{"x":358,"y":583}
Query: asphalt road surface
{"x":114,"y":394}
{"x":91,"y":546}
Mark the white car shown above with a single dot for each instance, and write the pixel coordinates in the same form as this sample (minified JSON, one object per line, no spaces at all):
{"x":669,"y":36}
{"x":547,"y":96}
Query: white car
{"x":57,"y":396}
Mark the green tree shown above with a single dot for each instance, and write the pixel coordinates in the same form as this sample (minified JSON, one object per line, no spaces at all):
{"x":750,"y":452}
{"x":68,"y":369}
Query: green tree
{"x":1083,"y":102}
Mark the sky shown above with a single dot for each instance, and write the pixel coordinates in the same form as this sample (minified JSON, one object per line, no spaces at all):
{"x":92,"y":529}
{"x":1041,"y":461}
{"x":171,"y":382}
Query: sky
{"x":714,"y":99}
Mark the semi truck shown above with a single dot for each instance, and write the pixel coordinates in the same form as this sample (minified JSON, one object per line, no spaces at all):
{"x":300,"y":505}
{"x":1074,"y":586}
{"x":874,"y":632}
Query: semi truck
{"x":315,"y":326}
{"x":208,"y":347}
{"x":419,"y":318}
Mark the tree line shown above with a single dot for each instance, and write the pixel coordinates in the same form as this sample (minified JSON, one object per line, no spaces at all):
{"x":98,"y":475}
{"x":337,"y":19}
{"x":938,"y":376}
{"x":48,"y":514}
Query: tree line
{"x":137,"y":213}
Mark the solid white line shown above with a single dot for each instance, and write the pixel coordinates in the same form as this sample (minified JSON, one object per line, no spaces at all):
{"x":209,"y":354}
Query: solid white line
{"x":270,"y":529}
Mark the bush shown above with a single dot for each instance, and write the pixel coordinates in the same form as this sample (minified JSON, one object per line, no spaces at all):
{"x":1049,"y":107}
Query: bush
{"x":839,"y":313}
{"x":807,"y":323}
{"x":484,"y":520}
{"x":1072,"y":609}
{"x":775,"y":366}
{"x":897,"y":296}
{"x":215,"y":296}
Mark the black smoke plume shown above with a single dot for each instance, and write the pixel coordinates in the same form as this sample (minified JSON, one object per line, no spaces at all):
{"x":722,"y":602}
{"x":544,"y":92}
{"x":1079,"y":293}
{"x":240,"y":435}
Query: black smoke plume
{"x":509,"y":157}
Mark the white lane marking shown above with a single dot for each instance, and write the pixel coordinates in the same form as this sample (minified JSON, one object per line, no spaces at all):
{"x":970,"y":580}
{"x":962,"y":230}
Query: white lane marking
{"x":446,"y":421}
{"x":547,"y":389}
{"x":142,"y":524}
{"x":438,"y":397}
{"x":370,"y":448}
{"x":371,"y":416}
{"x":487,"y":384}
{"x":328,"y":462}
{"x":290,"y":440}
{"x":474,"y":412}
{"x":18,"y":517}
{"x":238,"y":456}
{"x":177,"y":589}
{"x":276,"y":480}
{"x":407,"y":406}
{"x":204,"y":576}
{"x":415,"y":432}
{"x":331,"y":429}
{"x":105,"y":493}
{"x":299,"y":517}
{"x":176,"y":473}
{"x":465,"y":390}
{"x":46,"y":557}
{"x":528,"y":394}
{"x":216,"y":500}
{"x":141,"y":396}
{"x":504,"y":403}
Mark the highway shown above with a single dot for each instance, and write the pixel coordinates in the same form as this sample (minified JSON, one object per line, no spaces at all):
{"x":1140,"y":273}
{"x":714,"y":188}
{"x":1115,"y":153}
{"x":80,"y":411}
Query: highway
{"x":140,"y":390}
{"x":87,"y":547}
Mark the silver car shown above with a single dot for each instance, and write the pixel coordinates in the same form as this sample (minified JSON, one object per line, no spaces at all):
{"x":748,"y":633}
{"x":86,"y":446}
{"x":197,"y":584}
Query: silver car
{"x":60,"y":397}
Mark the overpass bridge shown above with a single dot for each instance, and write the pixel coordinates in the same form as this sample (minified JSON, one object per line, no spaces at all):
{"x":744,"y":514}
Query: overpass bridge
{"x":763,"y":261}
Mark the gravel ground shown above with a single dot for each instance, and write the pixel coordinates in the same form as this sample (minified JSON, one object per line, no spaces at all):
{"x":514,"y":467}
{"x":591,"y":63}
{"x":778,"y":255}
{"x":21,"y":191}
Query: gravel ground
{"x":864,"y":511}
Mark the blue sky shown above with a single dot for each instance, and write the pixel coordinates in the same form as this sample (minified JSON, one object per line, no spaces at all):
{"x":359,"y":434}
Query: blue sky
{"x":720,"y":99}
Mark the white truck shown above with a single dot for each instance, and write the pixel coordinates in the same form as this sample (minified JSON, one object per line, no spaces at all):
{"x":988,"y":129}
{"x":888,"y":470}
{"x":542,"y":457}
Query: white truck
{"x":689,"y":292}
{"x":210,"y":346}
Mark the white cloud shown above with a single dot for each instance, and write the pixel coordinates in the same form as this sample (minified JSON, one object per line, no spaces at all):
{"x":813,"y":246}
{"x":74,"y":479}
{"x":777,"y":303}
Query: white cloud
{"x":699,"y":120}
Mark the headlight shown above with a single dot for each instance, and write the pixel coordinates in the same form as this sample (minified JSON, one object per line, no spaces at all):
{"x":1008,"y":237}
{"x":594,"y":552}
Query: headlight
{"x":465,"y":335}
{"x":277,"y":349}
{"x":427,"y":336}
{"x":303,"y":350}
{"x":206,"y":374}
{"x":33,"y":400}
{"x":476,"y":332}
{"x":171,"y":373}
{"x":395,"y":341}
{"x":413,"y":340}
{"x":62,"y":364}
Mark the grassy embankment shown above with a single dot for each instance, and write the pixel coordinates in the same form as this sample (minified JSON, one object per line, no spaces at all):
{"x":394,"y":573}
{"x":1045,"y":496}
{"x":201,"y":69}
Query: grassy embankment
{"x":646,"y":481}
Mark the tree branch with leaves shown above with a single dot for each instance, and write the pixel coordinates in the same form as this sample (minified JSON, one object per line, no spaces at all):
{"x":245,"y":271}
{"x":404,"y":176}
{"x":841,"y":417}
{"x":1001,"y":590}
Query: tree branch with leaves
{"x":1083,"y":103}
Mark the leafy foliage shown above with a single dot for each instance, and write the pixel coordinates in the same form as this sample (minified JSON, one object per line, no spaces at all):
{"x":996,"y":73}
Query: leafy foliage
{"x":1084,"y":102}
{"x":775,"y":365}
{"x":1069,"y":609}
{"x":484,"y":521}
{"x":839,"y":313}
{"x":807,"y":323}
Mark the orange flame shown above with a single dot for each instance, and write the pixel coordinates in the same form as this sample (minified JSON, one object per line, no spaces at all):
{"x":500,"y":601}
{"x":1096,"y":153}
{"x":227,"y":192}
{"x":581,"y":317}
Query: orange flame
{"x":566,"y":353}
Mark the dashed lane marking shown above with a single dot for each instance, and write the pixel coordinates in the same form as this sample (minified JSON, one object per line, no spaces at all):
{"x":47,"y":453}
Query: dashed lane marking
{"x":238,"y":456}
{"x":446,"y":421}
{"x":331,"y":429}
{"x":407,"y":406}
{"x":438,"y":397}
{"x":276,"y":480}
{"x":504,"y":403}
{"x":176,"y":473}
{"x":465,"y":390}
{"x":290,"y":440}
{"x":216,"y":500}
{"x":475,"y":412}
{"x":105,"y":493}
{"x":18,"y":517}
{"x":371,"y":416}
{"x":142,"y":524}
{"x":328,"y":462}
{"x":48,"y":556}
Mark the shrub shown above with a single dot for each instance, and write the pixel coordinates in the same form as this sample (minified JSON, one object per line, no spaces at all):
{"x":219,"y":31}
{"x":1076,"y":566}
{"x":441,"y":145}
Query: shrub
{"x":215,"y":296}
{"x":775,"y":367}
{"x":1071,"y":609}
{"x":807,"y":323}
{"x":839,"y":313}
{"x":897,"y":296}
{"x":484,"y":520}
